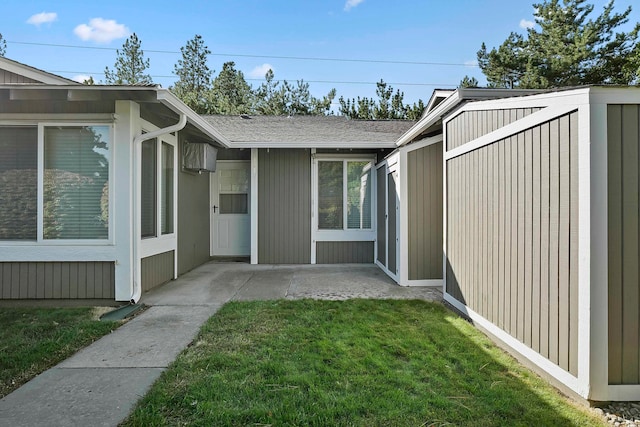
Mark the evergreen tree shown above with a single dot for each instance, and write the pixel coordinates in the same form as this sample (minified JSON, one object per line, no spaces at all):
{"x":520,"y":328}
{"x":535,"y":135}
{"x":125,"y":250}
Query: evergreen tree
{"x":194,"y":76}
{"x":288,"y":99}
{"x":468,"y":82}
{"x":230,"y":93}
{"x":130,"y":65}
{"x":389,"y":106}
{"x":3,"y":45}
{"x":568,"y":49}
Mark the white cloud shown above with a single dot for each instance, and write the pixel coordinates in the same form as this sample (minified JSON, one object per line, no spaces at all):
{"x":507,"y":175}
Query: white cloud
{"x":471,"y":63}
{"x":101,"y":30}
{"x":80,"y":78}
{"x":42,"y":18}
{"x":350,"y":4}
{"x":525,"y":25}
{"x":259,"y":71}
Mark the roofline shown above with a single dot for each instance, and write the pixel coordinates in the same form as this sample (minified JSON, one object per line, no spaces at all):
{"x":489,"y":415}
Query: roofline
{"x":346,"y":145}
{"x":34,"y":73}
{"x":174,"y":103}
{"x":459,"y":96}
{"x":164,"y":96}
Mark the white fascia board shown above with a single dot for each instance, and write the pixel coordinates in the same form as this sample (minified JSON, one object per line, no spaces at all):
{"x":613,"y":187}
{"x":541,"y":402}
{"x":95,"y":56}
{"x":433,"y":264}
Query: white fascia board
{"x":318,"y":145}
{"x":175,"y":104}
{"x":429,"y":119}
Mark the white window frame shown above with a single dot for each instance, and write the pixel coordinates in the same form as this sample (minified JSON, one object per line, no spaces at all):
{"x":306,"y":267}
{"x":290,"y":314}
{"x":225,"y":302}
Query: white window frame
{"x":159,"y":243}
{"x":71,"y":242}
{"x":346,"y":234}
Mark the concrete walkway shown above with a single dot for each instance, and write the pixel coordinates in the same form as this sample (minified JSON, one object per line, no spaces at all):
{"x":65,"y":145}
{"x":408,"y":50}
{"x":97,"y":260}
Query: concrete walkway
{"x":99,"y":385}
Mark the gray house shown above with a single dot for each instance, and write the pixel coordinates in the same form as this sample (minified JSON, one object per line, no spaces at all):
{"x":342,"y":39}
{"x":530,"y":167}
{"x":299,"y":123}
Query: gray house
{"x":522,"y":205}
{"x":108,"y":191}
{"x":540,"y":229}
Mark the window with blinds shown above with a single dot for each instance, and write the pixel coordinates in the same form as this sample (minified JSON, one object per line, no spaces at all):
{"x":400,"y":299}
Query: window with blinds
{"x":18,"y":183}
{"x":76,"y":182}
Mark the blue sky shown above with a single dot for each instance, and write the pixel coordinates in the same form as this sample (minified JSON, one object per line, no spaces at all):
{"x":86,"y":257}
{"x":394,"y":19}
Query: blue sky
{"x":256,"y":34}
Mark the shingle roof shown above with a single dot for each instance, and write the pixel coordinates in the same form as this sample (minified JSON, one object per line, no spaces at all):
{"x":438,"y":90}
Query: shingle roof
{"x":308,"y":129}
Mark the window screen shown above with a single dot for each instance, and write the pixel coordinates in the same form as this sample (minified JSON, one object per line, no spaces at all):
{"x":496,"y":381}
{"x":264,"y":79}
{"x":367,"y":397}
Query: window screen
{"x":166,"y":205}
{"x":76,"y":182}
{"x":148,"y":197}
{"x":359,"y":195}
{"x":18,"y":183}
{"x":330,"y":201}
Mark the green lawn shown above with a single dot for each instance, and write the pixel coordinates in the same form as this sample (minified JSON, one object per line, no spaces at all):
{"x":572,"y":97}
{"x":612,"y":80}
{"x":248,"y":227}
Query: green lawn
{"x":358,"y":362}
{"x":35,"y":339}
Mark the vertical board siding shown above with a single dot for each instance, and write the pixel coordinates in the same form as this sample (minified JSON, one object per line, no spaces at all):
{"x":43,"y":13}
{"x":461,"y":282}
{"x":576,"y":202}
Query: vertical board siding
{"x":381,"y":216}
{"x":7,"y":77}
{"x":512,"y":234}
{"x":623,"y":158}
{"x":284,"y":205}
{"x":57,"y":280}
{"x":424,"y":186}
{"x":470,"y":125}
{"x":156,"y":270}
{"x":194,"y":226}
{"x":344,"y":252}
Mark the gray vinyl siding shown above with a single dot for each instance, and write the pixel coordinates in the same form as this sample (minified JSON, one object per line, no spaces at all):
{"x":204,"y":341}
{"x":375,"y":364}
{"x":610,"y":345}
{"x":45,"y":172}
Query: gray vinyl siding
{"x":57,"y":280}
{"x":623,"y":243}
{"x":156,"y":270}
{"x":193,"y":218}
{"x":512,"y":217}
{"x":381,"y":215}
{"x":7,"y":77}
{"x":344,"y":252}
{"x":424,"y":186}
{"x":470,"y":125}
{"x":284,"y":206}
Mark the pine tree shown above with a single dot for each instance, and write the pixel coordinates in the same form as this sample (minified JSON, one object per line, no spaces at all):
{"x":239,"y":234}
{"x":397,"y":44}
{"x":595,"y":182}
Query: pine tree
{"x":194,"y":76}
{"x":569,"y":49}
{"x":389,"y":106}
{"x":3,"y":45}
{"x":130,"y":65}
{"x":468,"y":82}
{"x":230,"y":93}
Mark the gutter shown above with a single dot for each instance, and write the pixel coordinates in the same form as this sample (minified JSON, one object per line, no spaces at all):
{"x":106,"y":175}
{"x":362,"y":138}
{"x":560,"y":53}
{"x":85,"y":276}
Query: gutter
{"x":135,"y":239}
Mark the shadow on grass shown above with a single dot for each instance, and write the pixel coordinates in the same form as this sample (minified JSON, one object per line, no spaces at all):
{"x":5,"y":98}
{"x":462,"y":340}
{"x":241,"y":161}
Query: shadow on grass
{"x":357,"y":362}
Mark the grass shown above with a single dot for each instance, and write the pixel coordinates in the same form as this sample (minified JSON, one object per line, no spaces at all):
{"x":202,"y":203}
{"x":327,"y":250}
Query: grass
{"x":349,"y":363}
{"x":35,"y":339}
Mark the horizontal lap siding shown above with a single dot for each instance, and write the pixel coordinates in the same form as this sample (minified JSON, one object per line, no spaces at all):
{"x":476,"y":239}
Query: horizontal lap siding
{"x":470,"y":125}
{"x":57,"y":280}
{"x":344,"y":252}
{"x":156,"y":270}
{"x":512,"y":236}
{"x":284,"y":206}
{"x":424,"y":183}
{"x":623,"y":157}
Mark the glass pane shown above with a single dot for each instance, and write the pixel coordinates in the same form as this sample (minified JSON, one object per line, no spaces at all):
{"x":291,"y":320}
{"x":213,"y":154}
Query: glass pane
{"x":359,"y":195}
{"x":330,"y":209}
{"x":234,"y":203}
{"x":149,"y":187}
{"x":166,"y":205}
{"x":18,"y":183}
{"x":76,"y":182}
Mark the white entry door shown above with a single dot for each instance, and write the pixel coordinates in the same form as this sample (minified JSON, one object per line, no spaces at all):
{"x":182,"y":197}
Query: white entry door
{"x":230,"y":209}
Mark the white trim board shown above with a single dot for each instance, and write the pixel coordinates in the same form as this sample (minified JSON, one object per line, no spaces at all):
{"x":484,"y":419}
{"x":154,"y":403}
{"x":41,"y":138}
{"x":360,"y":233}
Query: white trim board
{"x":544,"y":115}
{"x":537,"y":359}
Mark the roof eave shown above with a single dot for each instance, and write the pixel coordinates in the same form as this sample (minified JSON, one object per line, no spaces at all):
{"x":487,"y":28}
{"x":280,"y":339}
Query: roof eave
{"x":346,"y":145}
